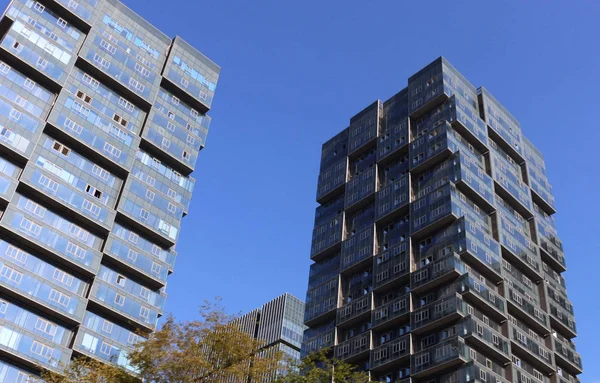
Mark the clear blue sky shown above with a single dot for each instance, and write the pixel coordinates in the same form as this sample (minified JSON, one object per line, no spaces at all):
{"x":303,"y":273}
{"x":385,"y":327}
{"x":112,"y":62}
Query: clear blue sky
{"x":294,"y":72}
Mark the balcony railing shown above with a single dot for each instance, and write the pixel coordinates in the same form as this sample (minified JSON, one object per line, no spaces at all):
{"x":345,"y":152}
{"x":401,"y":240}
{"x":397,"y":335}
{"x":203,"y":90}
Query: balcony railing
{"x":355,"y":347}
{"x":542,"y":354}
{"x":565,"y":352}
{"x":394,"y":351}
{"x":438,"y":313}
{"x":441,"y":356}
{"x":386,"y":314}
{"x":437,"y":272}
{"x":490,"y":302}
{"x":356,"y":308}
{"x":477,"y":332}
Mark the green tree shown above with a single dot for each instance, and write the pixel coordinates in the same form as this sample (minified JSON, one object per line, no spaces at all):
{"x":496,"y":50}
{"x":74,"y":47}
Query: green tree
{"x":212,"y":349}
{"x":318,"y":367}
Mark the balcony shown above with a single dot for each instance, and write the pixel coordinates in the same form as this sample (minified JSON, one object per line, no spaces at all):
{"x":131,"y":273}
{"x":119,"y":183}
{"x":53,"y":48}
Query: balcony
{"x":566,"y":356}
{"x":540,"y":355}
{"x":357,"y":250}
{"x":552,"y":252}
{"x":563,"y":321}
{"x":528,"y":312}
{"x":390,"y":354}
{"x":355,"y":311}
{"x":520,"y":375}
{"x":354,"y":349}
{"x":360,"y":189}
{"x":444,"y":355}
{"x":437,"y":273}
{"x":438,"y":314}
{"x":332,"y":181}
{"x":391,"y":313}
{"x":477,"y":333}
{"x":487,"y":301}
{"x":390,"y":273}
{"x":564,"y":377}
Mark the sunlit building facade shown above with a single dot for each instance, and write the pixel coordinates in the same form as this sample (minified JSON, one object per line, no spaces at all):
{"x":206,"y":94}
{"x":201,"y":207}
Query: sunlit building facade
{"x":436,"y":257}
{"x":102,"y":118}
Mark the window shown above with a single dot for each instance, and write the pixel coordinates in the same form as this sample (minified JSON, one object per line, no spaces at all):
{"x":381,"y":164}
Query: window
{"x":107,"y":326}
{"x":60,"y":298}
{"x":136,"y":84}
{"x":18,"y":46}
{"x":144,"y":312}
{"x":11,"y":274}
{"x":483,"y":375}
{"x":190,"y":139}
{"x":166,"y":142}
{"x":84,"y":97}
{"x":16,"y":254}
{"x":155,"y":268}
{"x":133,"y":237}
{"x":516,"y":361}
{"x":110,"y":149}
{"x":75,"y":250}
{"x":132,"y":338}
{"x":111,"y":49}
{"x":184,"y":82}
{"x":132,"y":255}
{"x":101,"y":61}
{"x":105,"y":348}
{"x":120,"y":119}
{"x":41,"y":349}
{"x":91,"y":207}
{"x":150,"y":194}
{"x":185,"y":155}
{"x":144,"y":293}
{"x":72,"y":125}
{"x":14,"y":114}
{"x":57,"y":146}
{"x":171,"y":193}
{"x":473,"y":354}
{"x":62,"y":277}
{"x":30,"y":226}
{"x":145,"y":72}
{"x":120,"y":134}
{"x":61,"y":23}
{"x":172,"y":208}
{"x":144,"y":214}
{"x":78,"y":232}
{"x":90,"y":80}
{"x":126,"y":104}
{"x":98,"y":171}
{"x":155,"y":250}
{"x":20,"y":101}
{"x":174,"y":100}
{"x":119,"y":299}
{"x":121,"y":280}
{"x":4,"y":68}
{"x":495,"y":339}
{"x":170,"y":126}
{"x":45,"y":326}
{"x":35,"y":209}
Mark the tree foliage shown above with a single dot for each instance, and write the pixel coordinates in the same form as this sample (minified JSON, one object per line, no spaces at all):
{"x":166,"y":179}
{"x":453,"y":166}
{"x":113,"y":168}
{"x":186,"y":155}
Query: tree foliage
{"x":318,"y":367}
{"x":212,"y":349}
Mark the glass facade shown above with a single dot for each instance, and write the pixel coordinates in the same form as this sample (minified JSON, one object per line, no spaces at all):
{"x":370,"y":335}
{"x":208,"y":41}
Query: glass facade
{"x":436,"y":257}
{"x":278,"y":323}
{"x":102,"y":118}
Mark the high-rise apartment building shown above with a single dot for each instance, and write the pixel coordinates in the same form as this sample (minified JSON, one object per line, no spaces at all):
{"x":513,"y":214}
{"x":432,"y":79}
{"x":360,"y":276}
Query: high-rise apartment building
{"x":280,"y":324}
{"x":436,"y":257}
{"x":102,"y":117}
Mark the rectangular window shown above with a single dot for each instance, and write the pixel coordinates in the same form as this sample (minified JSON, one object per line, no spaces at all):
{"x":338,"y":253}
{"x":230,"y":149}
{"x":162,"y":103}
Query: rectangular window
{"x":132,"y":338}
{"x":107,"y":326}
{"x":61,"y":23}
{"x":144,"y":312}
{"x":101,"y":60}
{"x":119,"y":299}
{"x":126,"y":104}
{"x":155,"y":268}
{"x":120,"y":134}
{"x":82,"y":96}
{"x":166,"y":143}
{"x":14,"y":114}
{"x":111,"y":49}
{"x":78,"y":232}
{"x":72,"y":125}
{"x":75,"y":250}
{"x":30,"y":226}
{"x":79,"y":108}
{"x":172,"y":208}
{"x":170,"y":126}
{"x":150,"y":194}
{"x":11,"y":274}
{"x":120,"y":120}
{"x":133,"y":237}
{"x":73,"y":4}
{"x":41,"y":350}
{"x":136,"y":84}
{"x":62,"y":277}
{"x":4,"y":68}
{"x":145,"y":72}
{"x":105,"y":348}
{"x":100,"y":172}
{"x":110,"y":149}
{"x":35,"y":208}
{"x":60,"y":298}
{"x":91,"y":81}
{"x":16,"y":254}
{"x":121,"y":280}
{"x":144,"y":293}
{"x":132,"y":255}
{"x":171,"y":193}
{"x":45,"y":326}
{"x":186,"y":155}
{"x":144,"y":214}
{"x":190,"y":139}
